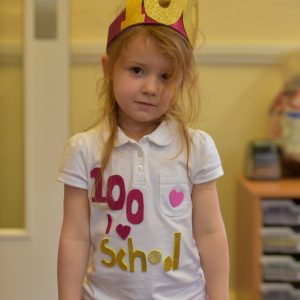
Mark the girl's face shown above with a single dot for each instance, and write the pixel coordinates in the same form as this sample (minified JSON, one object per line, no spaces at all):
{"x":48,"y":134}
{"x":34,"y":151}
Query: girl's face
{"x":141,"y":85}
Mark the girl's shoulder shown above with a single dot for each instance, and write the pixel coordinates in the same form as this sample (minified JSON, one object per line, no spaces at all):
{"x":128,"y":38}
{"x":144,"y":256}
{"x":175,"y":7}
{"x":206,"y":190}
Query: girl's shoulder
{"x":204,"y":162}
{"x":81,"y":153}
{"x":85,"y":139}
{"x":200,"y":138}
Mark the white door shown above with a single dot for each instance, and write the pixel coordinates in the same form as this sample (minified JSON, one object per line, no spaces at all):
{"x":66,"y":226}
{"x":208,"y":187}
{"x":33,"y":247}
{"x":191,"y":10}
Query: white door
{"x":28,"y":257}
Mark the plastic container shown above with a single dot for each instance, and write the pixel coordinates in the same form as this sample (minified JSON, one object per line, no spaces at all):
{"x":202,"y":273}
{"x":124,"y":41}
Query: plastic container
{"x":280,"y":268}
{"x":280,"y":212}
{"x":279,"y":291}
{"x":263,"y":160}
{"x":280,"y":239}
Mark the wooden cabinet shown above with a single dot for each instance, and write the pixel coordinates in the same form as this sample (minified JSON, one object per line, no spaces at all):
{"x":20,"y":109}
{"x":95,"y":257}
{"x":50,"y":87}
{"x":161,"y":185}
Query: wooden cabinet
{"x":250,"y":193}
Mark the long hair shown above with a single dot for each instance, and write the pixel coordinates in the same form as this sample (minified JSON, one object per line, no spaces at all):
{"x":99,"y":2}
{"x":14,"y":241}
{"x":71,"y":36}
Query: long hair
{"x":185,"y":103}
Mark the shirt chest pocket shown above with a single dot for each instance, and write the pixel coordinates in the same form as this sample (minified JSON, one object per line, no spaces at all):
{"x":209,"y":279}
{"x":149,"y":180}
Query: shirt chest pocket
{"x":175,"y":196}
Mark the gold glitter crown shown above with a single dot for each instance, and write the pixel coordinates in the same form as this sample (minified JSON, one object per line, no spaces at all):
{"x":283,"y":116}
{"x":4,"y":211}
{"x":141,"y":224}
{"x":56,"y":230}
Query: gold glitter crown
{"x":180,"y":15}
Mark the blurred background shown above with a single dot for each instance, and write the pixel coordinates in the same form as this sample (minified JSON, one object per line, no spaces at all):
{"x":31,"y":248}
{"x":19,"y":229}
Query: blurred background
{"x":243,"y":60}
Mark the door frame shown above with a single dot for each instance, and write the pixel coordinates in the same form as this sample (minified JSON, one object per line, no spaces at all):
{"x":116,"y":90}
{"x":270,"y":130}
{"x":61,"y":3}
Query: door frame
{"x":28,"y":255}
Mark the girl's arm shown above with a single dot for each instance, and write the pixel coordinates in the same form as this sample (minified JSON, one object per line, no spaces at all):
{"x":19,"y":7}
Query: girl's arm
{"x":74,"y":245}
{"x":211,"y":240}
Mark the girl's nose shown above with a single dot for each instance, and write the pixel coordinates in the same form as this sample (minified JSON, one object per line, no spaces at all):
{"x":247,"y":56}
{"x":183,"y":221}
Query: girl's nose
{"x":150,"y":86}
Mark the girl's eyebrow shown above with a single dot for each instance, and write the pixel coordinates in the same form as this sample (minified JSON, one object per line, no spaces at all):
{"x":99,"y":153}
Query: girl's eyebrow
{"x":134,"y":61}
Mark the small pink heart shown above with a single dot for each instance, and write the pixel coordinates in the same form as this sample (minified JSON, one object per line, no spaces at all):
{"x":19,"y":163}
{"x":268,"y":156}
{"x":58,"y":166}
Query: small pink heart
{"x":176,"y":198}
{"x":123,"y":231}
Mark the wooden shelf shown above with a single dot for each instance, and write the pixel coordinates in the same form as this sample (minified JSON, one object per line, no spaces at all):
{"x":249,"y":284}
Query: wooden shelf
{"x":250,"y":193}
{"x":272,"y":188}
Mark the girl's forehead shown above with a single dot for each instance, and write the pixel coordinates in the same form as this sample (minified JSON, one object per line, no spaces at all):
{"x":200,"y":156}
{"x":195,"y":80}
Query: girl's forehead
{"x":142,"y":46}
{"x":141,"y":42}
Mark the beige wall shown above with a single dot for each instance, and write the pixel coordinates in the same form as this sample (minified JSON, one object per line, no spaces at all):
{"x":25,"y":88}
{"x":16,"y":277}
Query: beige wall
{"x":11,"y":116}
{"x":231,"y":21}
{"x":10,"y":21}
{"x":253,"y":21}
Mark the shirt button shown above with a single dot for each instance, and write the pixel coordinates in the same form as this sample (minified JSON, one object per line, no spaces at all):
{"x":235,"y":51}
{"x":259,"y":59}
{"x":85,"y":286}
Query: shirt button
{"x":140,"y":154}
{"x":140,"y":168}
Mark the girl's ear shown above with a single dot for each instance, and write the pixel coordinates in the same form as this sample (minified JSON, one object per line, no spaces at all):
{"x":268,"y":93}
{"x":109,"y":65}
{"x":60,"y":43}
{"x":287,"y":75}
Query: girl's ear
{"x":105,"y":65}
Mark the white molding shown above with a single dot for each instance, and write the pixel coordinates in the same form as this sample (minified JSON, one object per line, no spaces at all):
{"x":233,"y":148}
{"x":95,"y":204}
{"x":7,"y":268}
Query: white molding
{"x":210,"y":54}
{"x":83,"y":53}
{"x":14,"y":234}
{"x":214,"y":54}
{"x":10,"y":53}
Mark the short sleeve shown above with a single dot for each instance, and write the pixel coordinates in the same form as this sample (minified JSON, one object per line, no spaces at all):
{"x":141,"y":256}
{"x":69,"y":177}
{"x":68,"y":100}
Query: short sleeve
{"x":205,"y":163}
{"x":73,"y":169}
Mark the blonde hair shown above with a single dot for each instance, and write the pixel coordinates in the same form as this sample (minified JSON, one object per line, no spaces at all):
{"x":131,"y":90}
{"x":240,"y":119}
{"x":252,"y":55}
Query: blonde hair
{"x":185,"y":105}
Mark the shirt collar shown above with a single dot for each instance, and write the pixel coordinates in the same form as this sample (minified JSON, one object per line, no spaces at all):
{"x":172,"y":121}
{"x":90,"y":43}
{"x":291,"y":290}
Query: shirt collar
{"x":162,"y":135}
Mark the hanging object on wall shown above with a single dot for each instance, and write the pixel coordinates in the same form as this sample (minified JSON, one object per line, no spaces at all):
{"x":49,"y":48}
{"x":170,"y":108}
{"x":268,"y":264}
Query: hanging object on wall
{"x":285,"y":115}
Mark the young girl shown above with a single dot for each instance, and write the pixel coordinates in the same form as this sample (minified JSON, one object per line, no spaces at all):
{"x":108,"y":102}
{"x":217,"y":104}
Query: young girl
{"x":141,"y":212}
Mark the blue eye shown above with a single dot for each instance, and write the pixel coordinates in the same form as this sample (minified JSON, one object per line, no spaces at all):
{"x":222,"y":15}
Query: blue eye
{"x":136,"y":70}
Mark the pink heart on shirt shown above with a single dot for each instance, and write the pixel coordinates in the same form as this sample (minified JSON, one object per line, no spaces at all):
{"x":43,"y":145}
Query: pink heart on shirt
{"x":176,"y":198}
{"x":123,"y":231}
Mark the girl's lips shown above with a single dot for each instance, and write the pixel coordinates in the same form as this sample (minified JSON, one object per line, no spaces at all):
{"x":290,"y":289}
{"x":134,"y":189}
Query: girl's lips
{"x":144,"y":103}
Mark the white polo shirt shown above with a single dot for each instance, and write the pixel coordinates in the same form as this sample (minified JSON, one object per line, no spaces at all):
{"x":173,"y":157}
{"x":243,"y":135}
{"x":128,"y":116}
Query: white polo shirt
{"x":141,"y":212}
